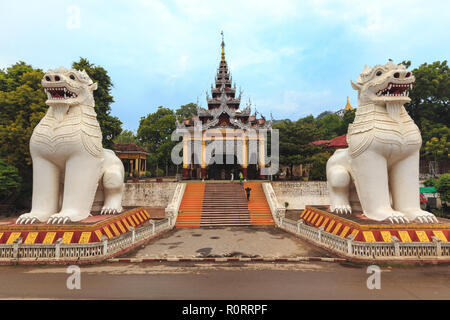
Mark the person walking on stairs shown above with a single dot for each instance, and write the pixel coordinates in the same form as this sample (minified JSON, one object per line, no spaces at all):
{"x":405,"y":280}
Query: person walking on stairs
{"x":247,"y":190}
{"x":241,"y":178}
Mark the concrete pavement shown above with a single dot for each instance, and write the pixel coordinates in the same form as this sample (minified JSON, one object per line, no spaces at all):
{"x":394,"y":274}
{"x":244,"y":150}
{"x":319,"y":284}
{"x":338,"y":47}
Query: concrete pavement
{"x":229,"y":242}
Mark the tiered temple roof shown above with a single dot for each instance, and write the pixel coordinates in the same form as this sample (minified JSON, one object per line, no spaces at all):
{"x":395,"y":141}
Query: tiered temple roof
{"x":223,"y":105}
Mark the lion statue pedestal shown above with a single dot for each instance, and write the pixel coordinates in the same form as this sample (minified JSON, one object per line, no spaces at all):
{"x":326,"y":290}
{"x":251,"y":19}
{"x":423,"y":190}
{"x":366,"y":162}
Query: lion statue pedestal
{"x":382,"y":160}
{"x":67,"y":154}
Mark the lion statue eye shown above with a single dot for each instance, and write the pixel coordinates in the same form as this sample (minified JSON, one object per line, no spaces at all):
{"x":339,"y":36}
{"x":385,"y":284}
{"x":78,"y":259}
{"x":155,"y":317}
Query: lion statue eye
{"x":72,"y":77}
{"x":379,"y":73}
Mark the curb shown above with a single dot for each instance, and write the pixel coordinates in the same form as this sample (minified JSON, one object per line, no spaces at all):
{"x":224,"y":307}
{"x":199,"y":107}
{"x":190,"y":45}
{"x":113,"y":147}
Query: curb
{"x":235,"y":259}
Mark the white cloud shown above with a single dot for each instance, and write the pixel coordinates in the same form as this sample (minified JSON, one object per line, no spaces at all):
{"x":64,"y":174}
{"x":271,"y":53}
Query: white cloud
{"x":262,"y":55}
{"x":379,"y":19}
{"x":294,"y":104}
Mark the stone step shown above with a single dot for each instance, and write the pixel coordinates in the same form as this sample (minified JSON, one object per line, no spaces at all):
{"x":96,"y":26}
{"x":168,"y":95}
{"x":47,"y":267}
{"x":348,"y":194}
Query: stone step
{"x":223,"y":204}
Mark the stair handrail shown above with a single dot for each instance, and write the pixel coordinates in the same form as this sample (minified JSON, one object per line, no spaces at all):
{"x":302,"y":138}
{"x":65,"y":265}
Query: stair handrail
{"x":174,"y":205}
{"x":278,"y":211}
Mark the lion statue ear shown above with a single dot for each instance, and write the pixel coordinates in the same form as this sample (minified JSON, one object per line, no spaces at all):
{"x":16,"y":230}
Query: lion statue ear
{"x":93,"y":86}
{"x":355,"y":85}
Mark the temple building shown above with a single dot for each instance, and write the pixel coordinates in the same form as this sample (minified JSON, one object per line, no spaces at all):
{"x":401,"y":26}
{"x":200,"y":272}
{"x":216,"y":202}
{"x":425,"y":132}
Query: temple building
{"x":224,"y":140}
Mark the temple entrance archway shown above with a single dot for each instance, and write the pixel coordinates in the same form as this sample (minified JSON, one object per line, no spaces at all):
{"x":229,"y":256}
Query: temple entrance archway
{"x":223,"y":171}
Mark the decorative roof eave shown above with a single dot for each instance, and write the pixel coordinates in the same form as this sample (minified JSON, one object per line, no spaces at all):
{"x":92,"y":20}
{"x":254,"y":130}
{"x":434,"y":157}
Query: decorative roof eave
{"x":202,"y":112}
{"x":218,"y":90}
{"x":223,"y":80}
{"x":129,"y":148}
{"x":217,"y":101}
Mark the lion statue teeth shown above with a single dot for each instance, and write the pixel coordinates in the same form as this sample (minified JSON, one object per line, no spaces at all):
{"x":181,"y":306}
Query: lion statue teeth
{"x":67,"y":154}
{"x":380,"y":167}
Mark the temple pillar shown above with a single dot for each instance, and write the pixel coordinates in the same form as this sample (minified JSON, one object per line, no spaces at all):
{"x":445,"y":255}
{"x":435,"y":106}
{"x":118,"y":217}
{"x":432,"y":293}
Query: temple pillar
{"x":262,"y":158}
{"x":137,"y":167}
{"x":244,"y":158}
{"x":185,"y":158}
{"x":203,"y":166}
{"x":131,"y":168}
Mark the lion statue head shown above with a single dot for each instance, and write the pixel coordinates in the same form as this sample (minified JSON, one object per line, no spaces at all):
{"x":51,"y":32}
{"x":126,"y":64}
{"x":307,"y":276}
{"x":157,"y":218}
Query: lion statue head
{"x":385,"y":85}
{"x":68,"y":87}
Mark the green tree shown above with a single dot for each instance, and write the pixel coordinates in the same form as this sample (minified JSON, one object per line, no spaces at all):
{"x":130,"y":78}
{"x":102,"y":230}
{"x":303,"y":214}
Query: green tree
{"x":438,"y":148}
{"x":318,"y":166}
{"x":436,"y":140}
{"x":9,"y":182}
{"x":430,"y":130}
{"x":295,"y":138}
{"x":430,"y":182}
{"x":155,"y":132}
{"x":443,"y":187}
{"x":110,"y":126}
{"x":349,"y":117}
{"x":126,"y":136}
{"x":22,"y":105}
{"x":431,"y":93}
{"x":331,"y":125}
{"x":186,"y":111}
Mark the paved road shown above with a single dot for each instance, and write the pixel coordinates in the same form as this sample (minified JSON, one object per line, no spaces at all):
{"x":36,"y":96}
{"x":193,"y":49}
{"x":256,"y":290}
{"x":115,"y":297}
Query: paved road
{"x":214,"y":281}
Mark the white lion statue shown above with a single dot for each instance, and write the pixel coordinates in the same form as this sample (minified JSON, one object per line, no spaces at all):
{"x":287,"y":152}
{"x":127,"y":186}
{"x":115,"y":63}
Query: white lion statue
{"x":381,"y":163}
{"x":67,"y":154}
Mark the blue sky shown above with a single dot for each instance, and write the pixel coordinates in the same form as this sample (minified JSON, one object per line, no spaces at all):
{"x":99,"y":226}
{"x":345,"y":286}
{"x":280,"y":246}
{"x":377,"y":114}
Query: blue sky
{"x":291,"y":58}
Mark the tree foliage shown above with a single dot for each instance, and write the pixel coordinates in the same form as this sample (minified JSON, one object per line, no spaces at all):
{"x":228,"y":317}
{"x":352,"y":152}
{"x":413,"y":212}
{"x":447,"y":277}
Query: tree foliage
{"x":110,"y":126}
{"x":318,"y":166}
{"x":331,"y":126}
{"x":438,"y":148}
{"x":295,"y":138}
{"x":349,"y":117}
{"x":430,"y":96}
{"x":186,"y":111}
{"x":443,"y":187}
{"x":156,"y":128}
{"x":126,"y":136}
{"x":9,"y":182}
{"x":22,"y":105}
{"x":436,"y":140}
{"x":155,"y":132}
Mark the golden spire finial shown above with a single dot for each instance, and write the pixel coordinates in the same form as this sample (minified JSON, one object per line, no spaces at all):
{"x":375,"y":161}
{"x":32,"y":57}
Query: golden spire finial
{"x":348,"y":105}
{"x":223,"y":47}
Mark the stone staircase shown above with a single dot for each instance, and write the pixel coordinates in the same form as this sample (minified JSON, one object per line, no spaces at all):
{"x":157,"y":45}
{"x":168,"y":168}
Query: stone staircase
{"x":260,"y":214}
{"x":224,"y":204}
{"x":190,"y":212}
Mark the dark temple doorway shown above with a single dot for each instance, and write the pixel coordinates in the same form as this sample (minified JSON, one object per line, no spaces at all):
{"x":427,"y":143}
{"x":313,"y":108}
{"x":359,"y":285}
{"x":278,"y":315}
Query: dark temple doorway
{"x":224,"y":170}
